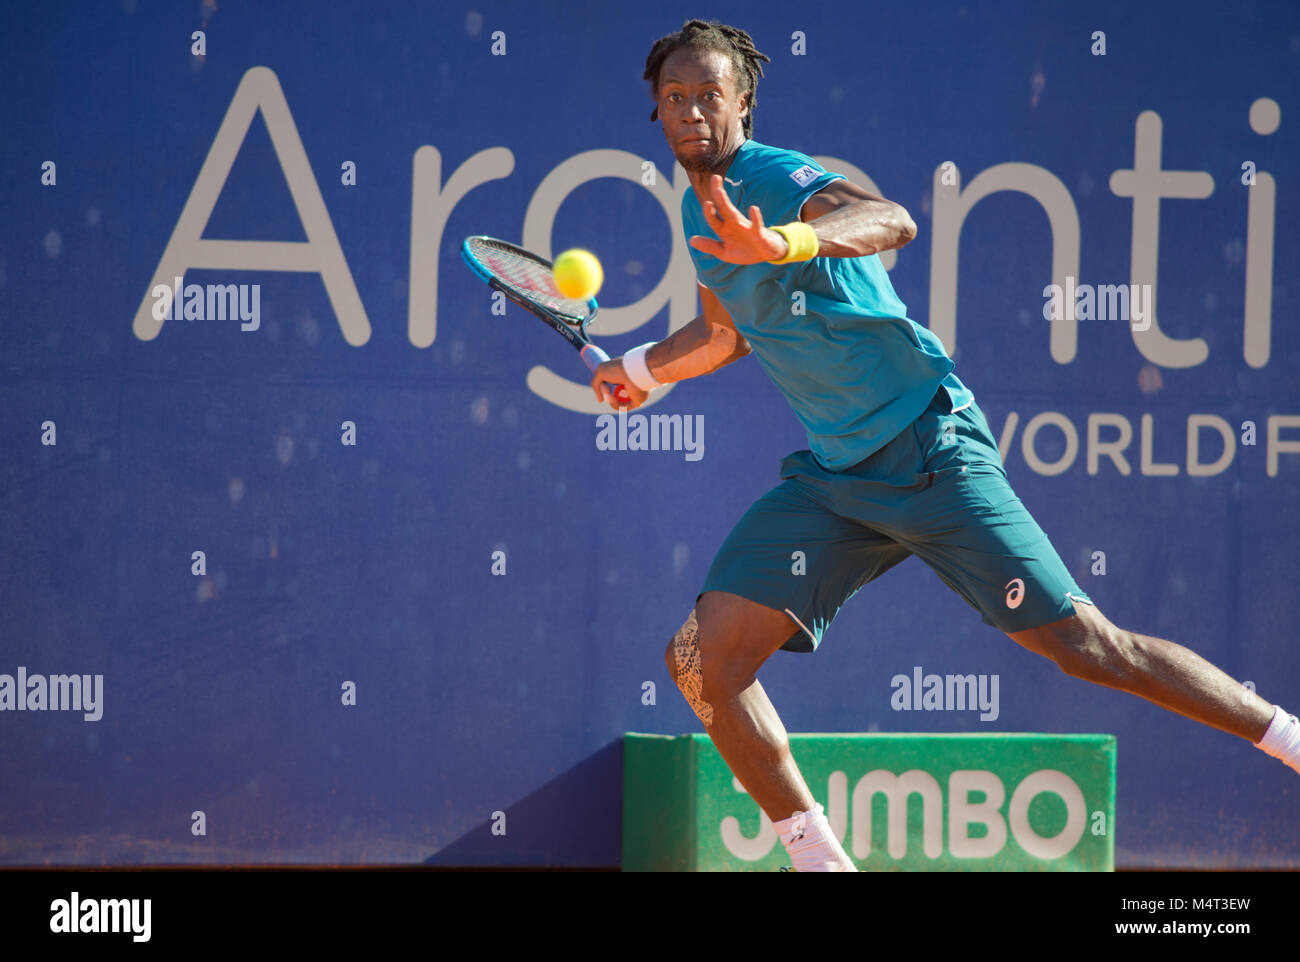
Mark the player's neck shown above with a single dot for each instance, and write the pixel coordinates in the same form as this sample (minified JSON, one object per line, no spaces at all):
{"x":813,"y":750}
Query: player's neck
{"x":700,"y":178}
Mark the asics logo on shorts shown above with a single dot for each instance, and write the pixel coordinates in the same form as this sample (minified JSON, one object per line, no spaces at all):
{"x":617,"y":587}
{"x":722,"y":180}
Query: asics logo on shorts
{"x":1016,"y":592}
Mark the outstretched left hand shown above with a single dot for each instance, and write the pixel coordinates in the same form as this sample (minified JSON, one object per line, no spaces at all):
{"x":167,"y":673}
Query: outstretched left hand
{"x":741,"y":239}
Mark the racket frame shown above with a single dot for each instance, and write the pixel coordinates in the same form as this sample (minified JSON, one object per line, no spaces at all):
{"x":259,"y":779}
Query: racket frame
{"x":576,"y":334}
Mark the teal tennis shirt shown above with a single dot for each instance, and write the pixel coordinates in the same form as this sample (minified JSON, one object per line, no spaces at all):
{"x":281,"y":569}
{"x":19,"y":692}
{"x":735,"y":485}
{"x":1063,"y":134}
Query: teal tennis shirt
{"x":855,"y":368}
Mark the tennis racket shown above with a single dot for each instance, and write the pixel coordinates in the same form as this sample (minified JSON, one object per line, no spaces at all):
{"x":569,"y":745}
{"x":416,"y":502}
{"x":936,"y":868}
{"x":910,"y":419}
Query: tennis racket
{"x":527,"y":280}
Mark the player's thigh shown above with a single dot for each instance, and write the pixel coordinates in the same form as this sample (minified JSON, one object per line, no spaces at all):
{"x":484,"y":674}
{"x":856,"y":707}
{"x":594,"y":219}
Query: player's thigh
{"x":790,"y":554}
{"x":979,"y":538}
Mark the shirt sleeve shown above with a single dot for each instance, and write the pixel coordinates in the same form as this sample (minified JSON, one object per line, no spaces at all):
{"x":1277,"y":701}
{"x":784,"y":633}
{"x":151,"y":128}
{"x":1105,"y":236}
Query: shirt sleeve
{"x":781,"y":186}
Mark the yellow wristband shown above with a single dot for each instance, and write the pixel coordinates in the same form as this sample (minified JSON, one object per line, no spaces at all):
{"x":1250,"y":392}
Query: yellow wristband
{"x":802,"y":240}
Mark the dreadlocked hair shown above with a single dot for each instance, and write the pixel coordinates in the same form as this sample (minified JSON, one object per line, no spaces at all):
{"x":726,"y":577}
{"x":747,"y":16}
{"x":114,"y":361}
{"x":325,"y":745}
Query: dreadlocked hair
{"x":711,"y":35}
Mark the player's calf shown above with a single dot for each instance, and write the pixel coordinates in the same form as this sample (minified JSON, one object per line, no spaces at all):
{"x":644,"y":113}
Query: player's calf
{"x":1089,"y":647}
{"x":714,"y":668}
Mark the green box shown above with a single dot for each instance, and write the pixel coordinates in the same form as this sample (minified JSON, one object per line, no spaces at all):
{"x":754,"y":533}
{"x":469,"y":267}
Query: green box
{"x":898,"y":802}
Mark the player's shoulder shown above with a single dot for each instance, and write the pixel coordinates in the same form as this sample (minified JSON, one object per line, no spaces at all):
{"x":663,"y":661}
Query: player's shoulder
{"x":766,"y":162}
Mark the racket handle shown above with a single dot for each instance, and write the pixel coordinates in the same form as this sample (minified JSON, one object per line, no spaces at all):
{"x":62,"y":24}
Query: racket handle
{"x":594,"y":357}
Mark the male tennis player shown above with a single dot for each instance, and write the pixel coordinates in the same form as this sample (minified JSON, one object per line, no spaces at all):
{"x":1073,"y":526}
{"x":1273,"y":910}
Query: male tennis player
{"x":902,"y":460}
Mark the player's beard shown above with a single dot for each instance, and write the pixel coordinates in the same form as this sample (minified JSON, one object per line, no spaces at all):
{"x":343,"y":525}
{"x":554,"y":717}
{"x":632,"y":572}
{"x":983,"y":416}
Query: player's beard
{"x":706,"y":162}
{"x":703,"y":164}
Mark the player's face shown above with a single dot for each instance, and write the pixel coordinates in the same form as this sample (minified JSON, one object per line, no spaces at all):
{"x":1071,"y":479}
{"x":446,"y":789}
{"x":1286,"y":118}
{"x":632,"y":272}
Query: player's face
{"x":701,"y":109}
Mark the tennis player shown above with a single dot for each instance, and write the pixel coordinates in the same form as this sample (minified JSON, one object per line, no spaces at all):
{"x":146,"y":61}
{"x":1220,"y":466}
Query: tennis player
{"x":901,"y":459}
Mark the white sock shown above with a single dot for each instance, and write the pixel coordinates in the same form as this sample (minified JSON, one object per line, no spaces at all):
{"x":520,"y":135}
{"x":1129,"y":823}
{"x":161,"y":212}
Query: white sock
{"x":1282,"y":740}
{"x":811,"y":844}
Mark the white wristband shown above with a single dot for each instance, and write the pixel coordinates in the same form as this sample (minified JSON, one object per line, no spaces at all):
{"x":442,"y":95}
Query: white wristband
{"x":638,"y":372}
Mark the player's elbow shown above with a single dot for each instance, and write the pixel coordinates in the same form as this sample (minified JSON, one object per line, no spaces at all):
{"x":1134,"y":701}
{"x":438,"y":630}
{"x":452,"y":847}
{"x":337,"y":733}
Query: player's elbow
{"x":739,"y":348}
{"x":905,"y":226}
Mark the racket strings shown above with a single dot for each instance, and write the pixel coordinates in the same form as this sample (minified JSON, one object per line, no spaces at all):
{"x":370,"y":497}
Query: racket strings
{"x":529,"y":278}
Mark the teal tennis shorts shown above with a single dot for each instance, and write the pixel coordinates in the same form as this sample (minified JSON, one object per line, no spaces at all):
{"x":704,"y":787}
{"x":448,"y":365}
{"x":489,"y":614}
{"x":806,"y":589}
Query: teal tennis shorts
{"x":938,"y":491}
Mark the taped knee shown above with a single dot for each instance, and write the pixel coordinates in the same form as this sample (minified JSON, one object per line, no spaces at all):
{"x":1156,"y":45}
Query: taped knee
{"x":689,"y":666}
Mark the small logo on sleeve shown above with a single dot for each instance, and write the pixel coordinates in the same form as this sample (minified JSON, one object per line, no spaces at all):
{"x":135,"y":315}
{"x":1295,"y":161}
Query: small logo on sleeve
{"x":804,"y":176}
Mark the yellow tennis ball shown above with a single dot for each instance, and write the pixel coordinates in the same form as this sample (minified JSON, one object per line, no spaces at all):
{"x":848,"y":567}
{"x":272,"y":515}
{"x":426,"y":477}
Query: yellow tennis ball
{"x":578,"y":274}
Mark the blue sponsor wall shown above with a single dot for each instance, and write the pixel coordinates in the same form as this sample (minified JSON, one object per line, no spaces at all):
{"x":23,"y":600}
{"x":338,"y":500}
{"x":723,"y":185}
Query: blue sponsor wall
{"x":372,"y":563}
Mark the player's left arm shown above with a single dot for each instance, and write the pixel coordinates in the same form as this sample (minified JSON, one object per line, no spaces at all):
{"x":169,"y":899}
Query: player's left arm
{"x":853,"y":222}
{"x":848,"y":220}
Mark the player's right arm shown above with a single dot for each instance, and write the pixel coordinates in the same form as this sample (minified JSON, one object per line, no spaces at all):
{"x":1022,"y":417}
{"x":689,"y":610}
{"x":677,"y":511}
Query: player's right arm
{"x":707,"y":343}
